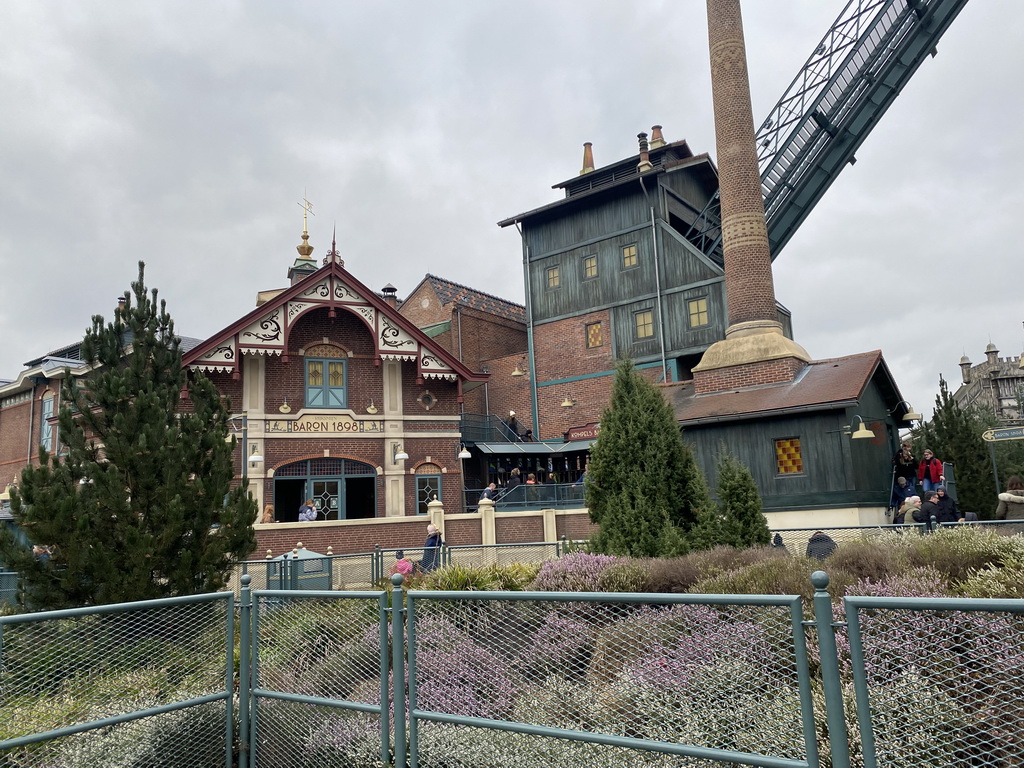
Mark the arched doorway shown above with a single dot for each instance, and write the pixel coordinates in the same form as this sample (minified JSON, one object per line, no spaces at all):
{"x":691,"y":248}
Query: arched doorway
{"x":341,"y":489}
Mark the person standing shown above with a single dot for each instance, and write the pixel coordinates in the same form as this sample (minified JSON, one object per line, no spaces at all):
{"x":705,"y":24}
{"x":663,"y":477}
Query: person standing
{"x":307,"y":512}
{"x":268,"y":514}
{"x":900,"y":493}
{"x":947,"y":507}
{"x":905,"y":465}
{"x":930,"y":508}
{"x":909,"y":512}
{"x":490,"y":492}
{"x":929,"y":472}
{"x":1011,"y":502}
{"x":431,"y":550}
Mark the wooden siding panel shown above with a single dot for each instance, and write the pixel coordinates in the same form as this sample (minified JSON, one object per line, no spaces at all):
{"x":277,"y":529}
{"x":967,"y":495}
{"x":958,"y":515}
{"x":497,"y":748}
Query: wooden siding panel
{"x":679,"y":335}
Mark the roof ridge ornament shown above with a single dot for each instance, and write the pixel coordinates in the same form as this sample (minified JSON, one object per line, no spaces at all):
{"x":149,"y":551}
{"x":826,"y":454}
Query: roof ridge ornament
{"x":304,"y":248}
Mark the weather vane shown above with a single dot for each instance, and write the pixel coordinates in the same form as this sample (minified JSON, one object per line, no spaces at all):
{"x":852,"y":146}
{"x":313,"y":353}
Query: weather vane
{"x":307,"y":208}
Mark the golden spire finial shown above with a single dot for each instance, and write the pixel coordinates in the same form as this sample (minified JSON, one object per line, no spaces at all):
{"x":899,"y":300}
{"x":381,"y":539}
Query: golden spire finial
{"x":304,"y":248}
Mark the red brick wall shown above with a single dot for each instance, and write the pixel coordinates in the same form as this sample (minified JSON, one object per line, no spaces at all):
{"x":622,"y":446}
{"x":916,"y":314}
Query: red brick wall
{"x":433,"y":312}
{"x":345,"y":537}
{"x":14,"y":438}
{"x":462,"y":531}
{"x":524,"y":527}
{"x":749,"y":375}
{"x":574,"y":526}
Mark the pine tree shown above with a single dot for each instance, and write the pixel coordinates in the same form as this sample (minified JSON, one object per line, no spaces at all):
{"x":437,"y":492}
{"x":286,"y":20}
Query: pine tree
{"x":140,"y":504}
{"x":954,"y":435}
{"x":739,"y":503}
{"x":644,"y":486}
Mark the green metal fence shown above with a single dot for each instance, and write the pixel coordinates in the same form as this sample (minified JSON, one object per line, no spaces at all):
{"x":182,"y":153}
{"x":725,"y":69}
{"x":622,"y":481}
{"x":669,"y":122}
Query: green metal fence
{"x":137,"y":684}
{"x":424,"y":679}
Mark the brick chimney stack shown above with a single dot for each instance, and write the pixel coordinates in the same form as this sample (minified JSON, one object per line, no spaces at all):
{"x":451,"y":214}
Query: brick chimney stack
{"x":754,"y":350}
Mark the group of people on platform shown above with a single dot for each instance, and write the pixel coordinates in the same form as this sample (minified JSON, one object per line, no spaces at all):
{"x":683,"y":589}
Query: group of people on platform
{"x":912,"y":507}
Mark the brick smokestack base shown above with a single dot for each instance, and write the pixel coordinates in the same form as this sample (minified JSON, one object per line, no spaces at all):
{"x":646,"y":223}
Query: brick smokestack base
{"x":757,"y":374}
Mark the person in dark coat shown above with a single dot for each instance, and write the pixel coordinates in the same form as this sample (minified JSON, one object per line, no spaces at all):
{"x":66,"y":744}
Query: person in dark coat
{"x":820,"y":545}
{"x":930,"y":507}
{"x":947,"y":507}
{"x":431,"y":550}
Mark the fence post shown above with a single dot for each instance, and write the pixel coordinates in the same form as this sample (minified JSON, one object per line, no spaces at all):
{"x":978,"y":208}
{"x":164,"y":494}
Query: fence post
{"x":838,"y":738}
{"x":375,"y":569}
{"x":398,"y":667}
{"x":564,"y":542}
{"x":244,"y":661}
{"x":933,"y":524}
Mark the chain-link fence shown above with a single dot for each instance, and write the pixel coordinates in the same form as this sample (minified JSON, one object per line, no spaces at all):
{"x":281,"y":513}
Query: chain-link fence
{"x":822,"y":542}
{"x":518,"y":679}
{"x":937,"y":680}
{"x":139,"y":684}
{"x":320,"y":681}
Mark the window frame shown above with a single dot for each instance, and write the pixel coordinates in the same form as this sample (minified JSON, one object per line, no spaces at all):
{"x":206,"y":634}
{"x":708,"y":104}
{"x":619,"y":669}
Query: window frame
{"x":47,"y":431}
{"x":637,"y":324}
{"x":635,"y":256}
{"x":555,"y":272}
{"x":430,"y":489}
{"x":340,"y":394}
{"x":588,"y":260}
{"x":586,"y":335}
{"x":802,"y":471}
{"x":706,"y":312}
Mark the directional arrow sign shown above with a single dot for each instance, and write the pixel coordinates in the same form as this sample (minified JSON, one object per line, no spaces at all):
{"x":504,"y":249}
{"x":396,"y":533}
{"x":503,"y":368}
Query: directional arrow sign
{"x":1007,"y":433}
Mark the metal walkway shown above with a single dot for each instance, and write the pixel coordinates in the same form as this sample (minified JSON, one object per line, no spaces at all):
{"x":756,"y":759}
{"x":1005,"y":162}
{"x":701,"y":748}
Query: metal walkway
{"x":850,"y":80}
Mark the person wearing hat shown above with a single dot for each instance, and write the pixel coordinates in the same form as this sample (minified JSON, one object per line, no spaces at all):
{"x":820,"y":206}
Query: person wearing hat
{"x":513,"y":424}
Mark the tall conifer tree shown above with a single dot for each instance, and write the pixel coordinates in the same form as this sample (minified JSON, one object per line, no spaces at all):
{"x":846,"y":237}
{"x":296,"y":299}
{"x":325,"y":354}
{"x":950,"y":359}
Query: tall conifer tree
{"x":644,"y":487}
{"x":140,"y":502}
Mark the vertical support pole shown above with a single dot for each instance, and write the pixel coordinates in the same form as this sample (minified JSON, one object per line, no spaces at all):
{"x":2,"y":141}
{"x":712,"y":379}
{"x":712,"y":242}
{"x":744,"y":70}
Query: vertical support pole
{"x":294,"y":573}
{"x":244,"y":661}
{"x":564,"y":543}
{"x":995,"y":470}
{"x":385,"y":693}
{"x":375,"y":569}
{"x":838,"y":737}
{"x":933,"y":524}
{"x":398,"y":667}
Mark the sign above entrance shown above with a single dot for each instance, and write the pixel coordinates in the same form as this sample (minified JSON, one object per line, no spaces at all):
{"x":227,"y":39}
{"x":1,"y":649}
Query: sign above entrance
{"x":588,"y":432}
{"x":325,"y":425}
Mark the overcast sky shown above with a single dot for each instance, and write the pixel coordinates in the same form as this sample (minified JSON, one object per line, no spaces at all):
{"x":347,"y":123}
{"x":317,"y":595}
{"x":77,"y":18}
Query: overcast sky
{"x":184,"y":133}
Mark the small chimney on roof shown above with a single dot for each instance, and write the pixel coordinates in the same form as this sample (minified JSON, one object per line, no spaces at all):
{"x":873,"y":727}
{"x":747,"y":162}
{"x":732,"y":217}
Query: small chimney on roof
{"x":645,"y":156}
{"x":657,"y":140}
{"x":965,"y":369}
{"x":389,"y":292}
{"x":588,"y":158}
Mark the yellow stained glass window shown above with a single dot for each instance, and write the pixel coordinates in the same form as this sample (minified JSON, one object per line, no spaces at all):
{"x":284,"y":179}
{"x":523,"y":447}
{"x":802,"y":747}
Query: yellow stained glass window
{"x":594,"y":336}
{"x":788,"y":459}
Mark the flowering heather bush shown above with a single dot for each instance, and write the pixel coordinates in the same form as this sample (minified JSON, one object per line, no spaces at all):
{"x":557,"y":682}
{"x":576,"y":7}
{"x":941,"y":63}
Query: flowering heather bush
{"x":995,"y":582}
{"x":687,"y":640}
{"x":958,"y":552}
{"x":629,"y":576}
{"x":775,"y":576}
{"x":561,"y":646}
{"x":459,"y":677}
{"x":576,"y":572}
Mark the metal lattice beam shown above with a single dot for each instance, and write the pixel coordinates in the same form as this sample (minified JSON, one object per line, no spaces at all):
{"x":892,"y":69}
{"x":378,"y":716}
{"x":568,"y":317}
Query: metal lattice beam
{"x":854,"y":74}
